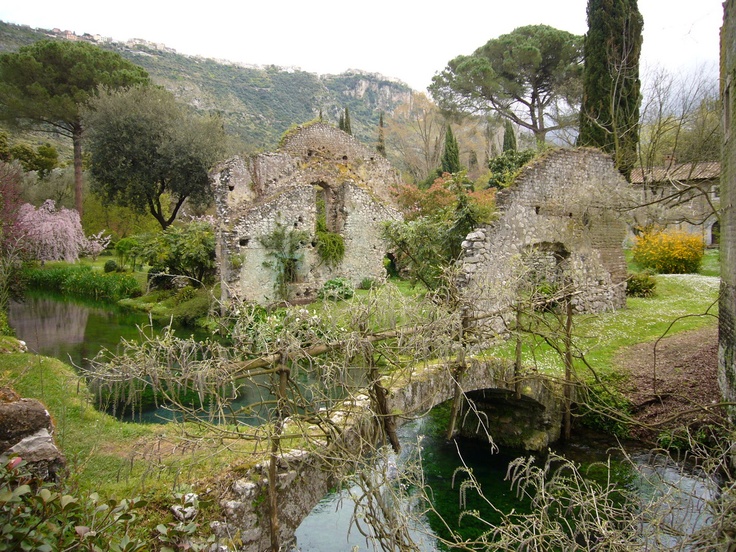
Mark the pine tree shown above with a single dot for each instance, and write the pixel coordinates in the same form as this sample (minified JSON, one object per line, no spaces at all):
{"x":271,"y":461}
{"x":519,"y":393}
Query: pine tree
{"x":451,"y":154}
{"x":609,"y":117}
{"x":347,"y":122}
{"x":509,"y":138}
{"x":381,"y":147}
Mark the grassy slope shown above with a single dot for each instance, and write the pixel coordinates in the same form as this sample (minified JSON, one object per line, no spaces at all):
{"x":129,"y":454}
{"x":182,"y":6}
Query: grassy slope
{"x":95,"y":443}
{"x":681,"y":302}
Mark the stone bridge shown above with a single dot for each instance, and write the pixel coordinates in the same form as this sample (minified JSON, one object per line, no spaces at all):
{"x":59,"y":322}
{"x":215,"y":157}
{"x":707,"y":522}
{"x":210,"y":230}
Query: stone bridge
{"x":530,"y":420}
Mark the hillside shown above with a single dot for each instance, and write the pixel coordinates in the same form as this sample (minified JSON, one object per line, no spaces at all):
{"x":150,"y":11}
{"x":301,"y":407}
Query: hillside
{"x":257,"y":103}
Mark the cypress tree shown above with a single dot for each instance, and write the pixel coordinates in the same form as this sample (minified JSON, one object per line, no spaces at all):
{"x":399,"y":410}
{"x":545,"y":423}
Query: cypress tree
{"x":381,"y":146}
{"x":509,"y":139}
{"x":609,"y":116}
{"x":341,"y":122}
{"x":347,"y":122}
{"x":451,"y":154}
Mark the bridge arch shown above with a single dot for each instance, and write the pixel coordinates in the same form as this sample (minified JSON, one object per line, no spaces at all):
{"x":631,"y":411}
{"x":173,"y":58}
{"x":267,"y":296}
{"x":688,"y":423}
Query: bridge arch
{"x":305,"y":477}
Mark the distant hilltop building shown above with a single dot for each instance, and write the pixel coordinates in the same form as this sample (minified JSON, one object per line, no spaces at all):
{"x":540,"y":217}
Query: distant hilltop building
{"x":87,"y":37}
{"x":160,"y":46}
{"x":99,"y":39}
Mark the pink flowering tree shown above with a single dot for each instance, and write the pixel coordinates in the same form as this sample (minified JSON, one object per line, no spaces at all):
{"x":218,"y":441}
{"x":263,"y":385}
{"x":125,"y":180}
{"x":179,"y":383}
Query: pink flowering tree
{"x":52,"y":234}
{"x":96,"y":244}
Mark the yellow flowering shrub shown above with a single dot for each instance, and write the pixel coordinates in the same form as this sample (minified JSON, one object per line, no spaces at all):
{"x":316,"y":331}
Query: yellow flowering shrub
{"x":671,"y":252}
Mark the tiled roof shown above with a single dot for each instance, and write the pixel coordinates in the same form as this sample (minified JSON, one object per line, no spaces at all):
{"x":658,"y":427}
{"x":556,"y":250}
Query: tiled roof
{"x":681,"y":171}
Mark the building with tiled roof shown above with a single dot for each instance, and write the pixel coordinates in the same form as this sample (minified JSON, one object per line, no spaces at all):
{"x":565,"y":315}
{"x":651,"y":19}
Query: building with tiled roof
{"x":682,"y":196}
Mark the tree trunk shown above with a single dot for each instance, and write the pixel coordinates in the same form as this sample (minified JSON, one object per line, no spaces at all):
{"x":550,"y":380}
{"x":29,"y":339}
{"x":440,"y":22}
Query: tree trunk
{"x":282,"y":413}
{"x":78,"y":180}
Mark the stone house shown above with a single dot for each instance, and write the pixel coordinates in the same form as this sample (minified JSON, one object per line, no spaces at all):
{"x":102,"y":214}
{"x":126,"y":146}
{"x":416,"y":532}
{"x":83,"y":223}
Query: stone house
{"x":560,"y":225}
{"x":272,"y":207}
{"x":683,"y":196}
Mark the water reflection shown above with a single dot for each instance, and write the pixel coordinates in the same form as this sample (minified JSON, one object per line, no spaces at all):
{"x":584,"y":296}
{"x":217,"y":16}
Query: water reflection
{"x":70,"y":330}
{"x":681,"y":500}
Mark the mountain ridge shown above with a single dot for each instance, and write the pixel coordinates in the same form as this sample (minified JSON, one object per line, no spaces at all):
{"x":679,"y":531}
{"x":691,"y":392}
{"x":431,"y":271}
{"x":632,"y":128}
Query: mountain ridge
{"x":257,"y":103}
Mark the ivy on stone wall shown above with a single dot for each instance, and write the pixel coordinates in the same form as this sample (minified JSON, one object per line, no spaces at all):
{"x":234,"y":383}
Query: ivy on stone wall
{"x":330,"y":245}
{"x":283,"y":247}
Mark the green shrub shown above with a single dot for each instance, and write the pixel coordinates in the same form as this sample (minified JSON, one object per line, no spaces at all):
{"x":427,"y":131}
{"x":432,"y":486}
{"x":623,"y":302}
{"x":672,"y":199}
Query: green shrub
{"x":36,"y":515}
{"x":672,"y":252}
{"x":186,"y":250}
{"x":5,"y":328}
{"x":110,"y":266}
{"x":190,"y":311}
{"x":640,"y":284}
{"x":336,"y":289}
{"x":505,"y":167}
{"x":184,"y":295}
{"x":367,"y":283}
{"x":330,"y":247}
{"x":600,"y":398}
{"x":128,"y":250}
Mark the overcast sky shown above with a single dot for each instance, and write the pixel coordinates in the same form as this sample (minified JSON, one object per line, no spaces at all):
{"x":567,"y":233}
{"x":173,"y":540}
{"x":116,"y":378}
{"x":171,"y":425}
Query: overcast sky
{"x":406,"y":39}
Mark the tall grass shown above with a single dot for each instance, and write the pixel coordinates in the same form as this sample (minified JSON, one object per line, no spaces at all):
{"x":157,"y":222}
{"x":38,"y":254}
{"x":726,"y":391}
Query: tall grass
{"x":82,"y":281}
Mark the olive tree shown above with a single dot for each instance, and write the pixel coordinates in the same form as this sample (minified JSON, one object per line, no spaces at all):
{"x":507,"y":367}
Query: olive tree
{"x":150,"y":153}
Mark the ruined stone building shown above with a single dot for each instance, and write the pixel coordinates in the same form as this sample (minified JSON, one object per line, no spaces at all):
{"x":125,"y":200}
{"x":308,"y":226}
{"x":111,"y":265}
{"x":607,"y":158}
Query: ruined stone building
{"x":727,"y":305}
{"x":682,"y":196}
{"x":273,"y":209}
{"x":561,"y":226}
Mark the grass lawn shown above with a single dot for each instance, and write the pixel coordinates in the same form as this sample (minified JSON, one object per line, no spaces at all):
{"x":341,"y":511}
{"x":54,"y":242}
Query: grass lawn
{"x":681,"y":302}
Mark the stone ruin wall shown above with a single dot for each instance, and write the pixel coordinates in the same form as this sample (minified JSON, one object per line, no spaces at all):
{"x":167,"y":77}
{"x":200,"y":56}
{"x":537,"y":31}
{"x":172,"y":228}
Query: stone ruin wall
{"x":561,"y":208}
{"x":727,"y":305}
{"x":254,"y":196}
{"x":327,"y":143}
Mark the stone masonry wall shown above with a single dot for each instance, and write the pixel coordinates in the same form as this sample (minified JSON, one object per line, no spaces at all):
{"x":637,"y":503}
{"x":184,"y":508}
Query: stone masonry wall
{"x":563,"y":207}
{"x":727,"y":307}
{"x":256,"y":196}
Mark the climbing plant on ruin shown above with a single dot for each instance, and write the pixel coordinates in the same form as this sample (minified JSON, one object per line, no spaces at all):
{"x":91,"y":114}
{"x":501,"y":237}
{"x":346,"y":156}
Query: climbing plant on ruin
{"x":283,"y":246}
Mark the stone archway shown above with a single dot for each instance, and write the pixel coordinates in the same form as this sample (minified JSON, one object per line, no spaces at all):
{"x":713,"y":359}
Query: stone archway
{"x":546,"y":263}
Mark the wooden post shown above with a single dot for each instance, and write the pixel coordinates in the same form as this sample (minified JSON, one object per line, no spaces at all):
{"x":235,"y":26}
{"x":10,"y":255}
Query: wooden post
{"x":568,"y":367}
{"x":281,"y":414}
{"x":457,"y":398}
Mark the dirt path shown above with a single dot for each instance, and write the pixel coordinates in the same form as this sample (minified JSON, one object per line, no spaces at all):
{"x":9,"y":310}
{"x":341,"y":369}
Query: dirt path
{"x":686,"y":378}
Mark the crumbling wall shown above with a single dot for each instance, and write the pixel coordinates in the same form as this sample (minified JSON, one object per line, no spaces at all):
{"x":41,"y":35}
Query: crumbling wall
{"x":562,"y":213}
{"x":280,"y":191}
{"x":727,"y":306}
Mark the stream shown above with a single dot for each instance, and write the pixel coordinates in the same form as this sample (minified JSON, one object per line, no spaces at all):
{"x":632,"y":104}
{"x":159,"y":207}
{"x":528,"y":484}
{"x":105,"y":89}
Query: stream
{"x":73,"y":331}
